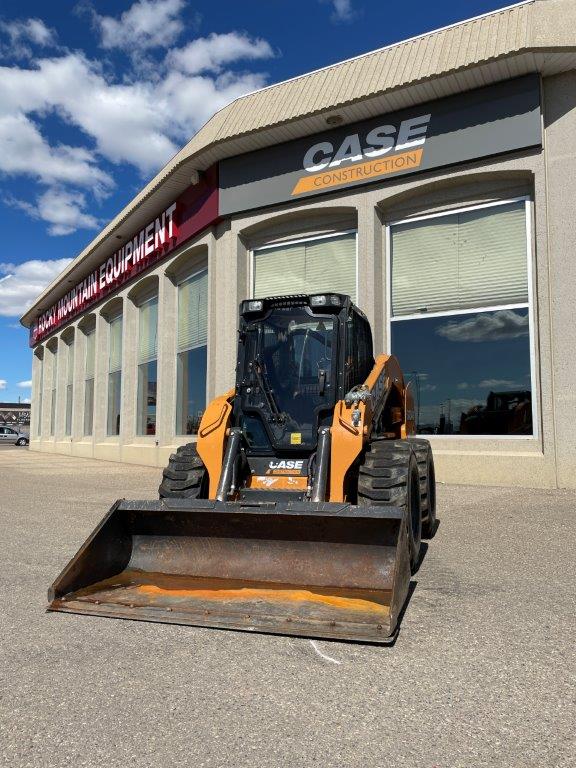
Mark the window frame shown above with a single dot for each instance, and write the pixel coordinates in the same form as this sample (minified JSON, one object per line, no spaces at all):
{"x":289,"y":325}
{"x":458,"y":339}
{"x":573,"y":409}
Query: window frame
{"x":298,"y":241}
{"x":529,"y":305}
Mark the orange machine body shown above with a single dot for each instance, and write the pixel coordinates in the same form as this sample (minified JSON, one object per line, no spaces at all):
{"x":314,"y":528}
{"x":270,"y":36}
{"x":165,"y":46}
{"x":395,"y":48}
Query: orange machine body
{"x":384,"y":389}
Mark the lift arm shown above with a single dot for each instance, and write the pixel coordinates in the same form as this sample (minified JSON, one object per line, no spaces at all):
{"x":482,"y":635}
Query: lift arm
{"x":364,"y":407}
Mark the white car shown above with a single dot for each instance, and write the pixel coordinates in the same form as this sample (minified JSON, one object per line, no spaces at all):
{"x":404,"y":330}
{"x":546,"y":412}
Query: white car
{"x":11,"y":435}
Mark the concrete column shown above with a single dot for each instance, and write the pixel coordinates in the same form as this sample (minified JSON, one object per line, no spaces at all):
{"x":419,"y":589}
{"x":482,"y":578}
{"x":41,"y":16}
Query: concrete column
{"x":101,"y":378}
{"x":560,"y":149}
{"x":37,"y":394}
{"x":213,"y":306}
{"x":366,"y":297}
{"x":228,"y":286}
{"x":61,"y":390}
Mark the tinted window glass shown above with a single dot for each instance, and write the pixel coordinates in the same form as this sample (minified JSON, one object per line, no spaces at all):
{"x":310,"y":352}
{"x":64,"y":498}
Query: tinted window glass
{"x":471,"y":373}
{"x":191,"y":390}
{"x":289,"y":373}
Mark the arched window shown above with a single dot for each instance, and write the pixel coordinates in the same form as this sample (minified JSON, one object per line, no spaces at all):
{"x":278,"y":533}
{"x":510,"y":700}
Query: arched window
{"x":114,"y":403}
{"x":192,"y":346}
{"x":89,"y":330}
{"x":39,"y":354}
{"x":68,"y":339}
{"x":312,"y":265}
{"x":53,"y":347}
{"x":147,"y":366}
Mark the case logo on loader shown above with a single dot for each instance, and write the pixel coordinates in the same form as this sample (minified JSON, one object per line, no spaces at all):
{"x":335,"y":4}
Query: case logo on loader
{"x":285,"y":467}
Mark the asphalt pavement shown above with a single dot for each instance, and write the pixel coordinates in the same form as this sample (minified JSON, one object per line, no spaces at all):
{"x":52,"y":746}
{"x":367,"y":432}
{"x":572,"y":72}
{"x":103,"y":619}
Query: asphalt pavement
{"x":482,"y":673}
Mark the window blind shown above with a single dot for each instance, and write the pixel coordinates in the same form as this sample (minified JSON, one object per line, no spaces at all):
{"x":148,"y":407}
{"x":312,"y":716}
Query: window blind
{"x":115,"y":358}
{"x":327,"y":264}
{"x":90,"y":354}
{"x":148,"y":331}
{"x":471,"y":259}
{"x":193,"y":312}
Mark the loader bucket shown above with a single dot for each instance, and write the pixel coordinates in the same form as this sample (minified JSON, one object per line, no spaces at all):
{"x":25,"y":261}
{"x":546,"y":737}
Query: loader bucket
{"x":296,"y":568}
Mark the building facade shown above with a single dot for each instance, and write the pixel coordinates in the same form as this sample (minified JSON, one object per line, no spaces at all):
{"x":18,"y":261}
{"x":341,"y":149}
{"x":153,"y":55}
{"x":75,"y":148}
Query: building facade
{"x":434,"y":181}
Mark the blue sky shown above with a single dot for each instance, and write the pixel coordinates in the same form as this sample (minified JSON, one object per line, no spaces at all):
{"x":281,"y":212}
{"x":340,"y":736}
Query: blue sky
{"x":96,"y":96}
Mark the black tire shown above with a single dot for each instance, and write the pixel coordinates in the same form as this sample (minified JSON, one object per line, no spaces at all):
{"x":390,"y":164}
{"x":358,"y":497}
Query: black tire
{"x":184,"y":477}
{"x":22,"y":441}
{"x":425,"y":459}
{"x":389,"y":477}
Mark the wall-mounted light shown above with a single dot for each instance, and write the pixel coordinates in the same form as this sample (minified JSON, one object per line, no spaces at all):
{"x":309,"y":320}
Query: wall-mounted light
{"x":334,"y":119}
{"x":196,"y":177}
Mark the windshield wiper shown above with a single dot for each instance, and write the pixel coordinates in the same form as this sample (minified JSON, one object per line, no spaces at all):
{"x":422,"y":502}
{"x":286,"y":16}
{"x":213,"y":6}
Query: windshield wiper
{"x":268,"y":394}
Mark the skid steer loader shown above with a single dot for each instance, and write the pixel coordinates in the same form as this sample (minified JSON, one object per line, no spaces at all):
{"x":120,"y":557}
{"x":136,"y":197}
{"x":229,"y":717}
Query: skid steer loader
{"x":301,"y":506}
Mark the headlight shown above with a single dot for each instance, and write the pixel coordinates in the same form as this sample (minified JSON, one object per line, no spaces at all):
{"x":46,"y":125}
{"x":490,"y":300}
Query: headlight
{"x":252,"y":306}
{"x":325,"y":300}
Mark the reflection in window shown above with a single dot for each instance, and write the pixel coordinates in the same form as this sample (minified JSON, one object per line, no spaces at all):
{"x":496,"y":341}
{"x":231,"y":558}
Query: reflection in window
{"x":147,"y":367}
{"x":191,"y":363}
{"x":470,"y":373}
{"x":470,"y":362}
{"x":114,"y":377}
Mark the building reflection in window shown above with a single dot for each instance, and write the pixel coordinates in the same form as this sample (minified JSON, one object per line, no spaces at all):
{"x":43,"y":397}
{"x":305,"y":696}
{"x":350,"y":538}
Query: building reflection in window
{"x":470,"y":373}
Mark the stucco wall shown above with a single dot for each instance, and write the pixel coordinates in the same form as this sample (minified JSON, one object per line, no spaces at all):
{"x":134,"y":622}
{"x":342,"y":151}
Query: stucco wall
{"x":560,"y":153}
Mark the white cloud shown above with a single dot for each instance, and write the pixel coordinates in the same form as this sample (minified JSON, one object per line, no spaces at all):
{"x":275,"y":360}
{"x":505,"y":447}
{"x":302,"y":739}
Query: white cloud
{"x":462,"y":385}
{"x":20,"y":284}
{"x":141,"y":120}
{"x":195,"y":99}
{"x":24,"y":151}
{"x":342,"y":10}
{"x":17,"y":35}
{"x":127,"y":122}
{"x":504,"y":324}
{"x":63,"y":210}
{"x":3,"y":383}
{"x":146,"y":24}
{"x":498,"y":383}
{"x":210,"y":54}
{"x":141,"y":123}
{"x":25,"y":384}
